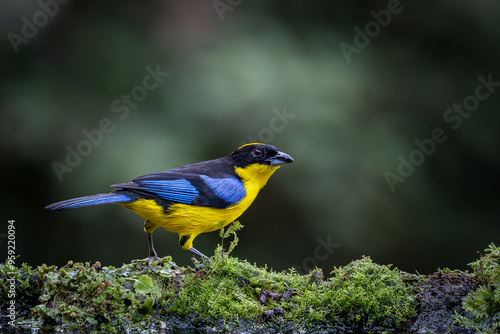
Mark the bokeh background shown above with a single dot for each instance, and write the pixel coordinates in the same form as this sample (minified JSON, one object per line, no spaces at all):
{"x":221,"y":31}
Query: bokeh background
{"x":233,"y":67}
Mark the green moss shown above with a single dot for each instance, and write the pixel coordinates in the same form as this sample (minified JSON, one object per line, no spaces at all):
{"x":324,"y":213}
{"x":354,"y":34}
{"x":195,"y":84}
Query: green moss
{"x":223,"y":294}
{"x":374,"y":293}
{"x":362,"y":294}
{"x":220,"y":295}
{"x":483,"y":304}
{"x":81,"y":294}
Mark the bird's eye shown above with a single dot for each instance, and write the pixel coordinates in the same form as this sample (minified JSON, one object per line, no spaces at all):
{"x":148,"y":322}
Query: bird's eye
{"x":257,"y":153}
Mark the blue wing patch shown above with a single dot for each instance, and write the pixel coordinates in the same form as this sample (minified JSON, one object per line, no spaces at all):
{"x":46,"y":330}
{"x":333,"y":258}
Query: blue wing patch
{"x":229,"y":189}
{"x":181,"y":191}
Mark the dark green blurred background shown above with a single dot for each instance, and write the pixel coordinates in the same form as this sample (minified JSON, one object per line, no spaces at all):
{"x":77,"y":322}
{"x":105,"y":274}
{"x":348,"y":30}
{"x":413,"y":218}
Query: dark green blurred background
{"x":229,"y":74}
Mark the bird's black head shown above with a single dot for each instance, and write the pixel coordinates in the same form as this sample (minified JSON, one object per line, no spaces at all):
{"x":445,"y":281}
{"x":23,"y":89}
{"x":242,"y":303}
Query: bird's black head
{"x":259,"y":153}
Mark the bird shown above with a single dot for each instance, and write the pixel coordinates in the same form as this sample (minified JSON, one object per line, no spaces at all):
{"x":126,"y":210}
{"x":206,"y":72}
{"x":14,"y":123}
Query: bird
{"x":193,"y":199}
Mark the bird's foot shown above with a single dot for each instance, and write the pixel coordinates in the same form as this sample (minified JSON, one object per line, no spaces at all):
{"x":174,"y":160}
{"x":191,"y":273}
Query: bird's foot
{"x":152,"y":258}
{"x":197,"y":264}
{"x":197,"y":252}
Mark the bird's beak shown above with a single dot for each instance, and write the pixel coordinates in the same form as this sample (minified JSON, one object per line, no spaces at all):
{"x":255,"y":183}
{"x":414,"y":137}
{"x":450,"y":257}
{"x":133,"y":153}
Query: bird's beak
{"x":280,"y":159}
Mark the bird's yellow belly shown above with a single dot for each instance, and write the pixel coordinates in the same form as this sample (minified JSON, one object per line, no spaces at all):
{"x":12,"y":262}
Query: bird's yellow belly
{"x":187,"y":219}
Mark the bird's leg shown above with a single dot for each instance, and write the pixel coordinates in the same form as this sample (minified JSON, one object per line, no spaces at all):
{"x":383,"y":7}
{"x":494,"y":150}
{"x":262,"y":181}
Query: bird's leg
{"x":152,"y":252}
{"x":197,"y":252}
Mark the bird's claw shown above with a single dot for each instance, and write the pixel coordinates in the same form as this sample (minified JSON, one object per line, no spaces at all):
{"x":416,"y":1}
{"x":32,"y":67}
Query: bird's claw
{"x":152,"y":258}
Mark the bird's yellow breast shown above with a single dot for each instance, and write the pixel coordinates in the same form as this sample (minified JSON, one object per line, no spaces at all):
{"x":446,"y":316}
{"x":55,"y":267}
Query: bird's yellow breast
{"x":186,"y":219}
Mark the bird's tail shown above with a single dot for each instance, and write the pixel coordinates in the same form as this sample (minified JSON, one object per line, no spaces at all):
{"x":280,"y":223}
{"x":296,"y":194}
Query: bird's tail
{"x":99,"y":199}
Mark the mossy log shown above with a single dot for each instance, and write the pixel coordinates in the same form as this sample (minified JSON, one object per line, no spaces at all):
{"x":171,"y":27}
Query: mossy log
{"x":228,"y":294}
